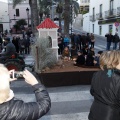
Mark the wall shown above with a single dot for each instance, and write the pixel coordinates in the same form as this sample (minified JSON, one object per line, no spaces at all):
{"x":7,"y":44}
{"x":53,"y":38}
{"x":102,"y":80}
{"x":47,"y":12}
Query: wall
{"x":4,"y":16}
{"x":86,"y":22}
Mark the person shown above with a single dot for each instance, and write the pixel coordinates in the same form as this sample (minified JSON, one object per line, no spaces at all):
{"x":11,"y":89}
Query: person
{"x":15,"y":109}
{"x":89,"y":60}
{"x":105,"y":88}
{"x":115,"y":41}
{"x":66,"y":53}
{"x":109,"y":40}
{"x":80,"y":59}
{"x":32,"y":39}
{"x":88,"y":39}
{"x":8,"y":50}
{"x":92,"y":37}
{"x":15,"y":41}
{"x":21,"y":45}
{"x":66,"y":41}
{"x":92,"y":51}
{"x":60,"y":44}
{"x":27,"y":44}
{"x":97,"y":58}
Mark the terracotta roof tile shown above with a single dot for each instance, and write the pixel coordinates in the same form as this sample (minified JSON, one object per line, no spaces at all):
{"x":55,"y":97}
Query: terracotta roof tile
{"x":48,"y":24}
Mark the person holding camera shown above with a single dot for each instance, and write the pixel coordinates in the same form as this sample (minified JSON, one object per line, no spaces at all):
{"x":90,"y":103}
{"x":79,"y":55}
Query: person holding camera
{"x":12,"y":109}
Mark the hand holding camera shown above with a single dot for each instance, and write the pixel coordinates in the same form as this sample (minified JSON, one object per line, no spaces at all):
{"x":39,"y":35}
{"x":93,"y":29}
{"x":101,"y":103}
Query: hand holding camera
{"x":29,"y":77}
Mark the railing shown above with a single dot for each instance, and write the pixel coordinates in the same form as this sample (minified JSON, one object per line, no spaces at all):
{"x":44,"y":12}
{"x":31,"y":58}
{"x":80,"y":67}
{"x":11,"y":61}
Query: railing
{"x":92,"y":18}
{"x":99,"y":16}
{"x":110,"y":13}
{"x":118,"y":10}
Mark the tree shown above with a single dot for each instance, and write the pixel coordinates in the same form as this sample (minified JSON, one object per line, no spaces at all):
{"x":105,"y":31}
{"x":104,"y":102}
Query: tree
{"x":59,"y":10}
{"x":66,"y":17}
{"x":20,"y":23}
{"x":67,"y":12}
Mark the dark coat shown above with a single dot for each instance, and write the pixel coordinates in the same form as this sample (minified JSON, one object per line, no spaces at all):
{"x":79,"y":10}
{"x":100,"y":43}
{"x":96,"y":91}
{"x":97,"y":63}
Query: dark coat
{"x":80,"y":60}
{"x":105,"y":88}
{"x":116,"y":39}
{"x":19,"y":110}
{"x":109,"y":37}
{"x":10,"y":49}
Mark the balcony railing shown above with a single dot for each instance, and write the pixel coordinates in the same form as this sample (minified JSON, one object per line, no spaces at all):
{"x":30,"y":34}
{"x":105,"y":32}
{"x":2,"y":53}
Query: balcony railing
{"x":110,"y":13}
{"x":99,"y":16}
{"x":92,"y":18}
{"x":118,"y":11}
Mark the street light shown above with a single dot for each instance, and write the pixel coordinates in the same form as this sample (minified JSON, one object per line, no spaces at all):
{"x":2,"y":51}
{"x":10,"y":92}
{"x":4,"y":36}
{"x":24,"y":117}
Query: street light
{"x":27,"y":10}
{"x":14,"y":17}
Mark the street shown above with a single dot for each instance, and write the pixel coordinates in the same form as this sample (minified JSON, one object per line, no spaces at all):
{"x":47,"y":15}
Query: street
{"x":68,"y":102}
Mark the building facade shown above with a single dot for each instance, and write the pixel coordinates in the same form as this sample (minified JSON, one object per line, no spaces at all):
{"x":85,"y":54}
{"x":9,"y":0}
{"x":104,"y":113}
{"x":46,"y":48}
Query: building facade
{"x":19,"y":12}
{"x":4,"y":17}
{"x":104,"y":16}
{"x":84,"y":6}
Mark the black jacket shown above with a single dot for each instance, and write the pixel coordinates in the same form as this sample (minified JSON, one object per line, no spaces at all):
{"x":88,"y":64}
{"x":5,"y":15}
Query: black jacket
{"x":10,"y":49}
{"x":80,"y":60}
{"x":105,"y":88}
{"x":19,"y":110}
{"x":109,"y":37}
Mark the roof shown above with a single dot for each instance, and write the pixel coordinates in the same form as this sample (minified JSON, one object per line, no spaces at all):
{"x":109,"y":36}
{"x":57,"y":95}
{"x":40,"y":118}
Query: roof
{"x":48,"y":24}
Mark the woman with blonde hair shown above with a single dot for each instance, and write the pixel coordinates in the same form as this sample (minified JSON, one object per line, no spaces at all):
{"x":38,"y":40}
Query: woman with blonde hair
{"x":11,"y":109}
{"x":105,"y":88}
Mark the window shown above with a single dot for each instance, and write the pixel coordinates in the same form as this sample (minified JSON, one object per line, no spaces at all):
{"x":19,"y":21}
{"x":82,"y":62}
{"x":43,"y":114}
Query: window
{"x":93,"y":13}
{"x":93,"y":28}
{"x":110,"y":28}
{"x":111,"y":4}
{"x":101,"y":11}
{"x":100,"y":30}
{"x":17,"y":12}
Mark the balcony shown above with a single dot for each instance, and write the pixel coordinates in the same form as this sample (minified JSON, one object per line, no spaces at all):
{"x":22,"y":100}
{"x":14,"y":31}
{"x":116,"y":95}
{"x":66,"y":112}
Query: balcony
{"x":92,"y":18}
{"x":110,"y":13}
{"x":118,"y":11}
{"x":99,"y":16}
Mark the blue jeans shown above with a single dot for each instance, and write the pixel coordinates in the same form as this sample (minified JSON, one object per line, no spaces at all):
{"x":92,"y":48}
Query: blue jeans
{"x":108,"y":45}
{"x":114,"y":46}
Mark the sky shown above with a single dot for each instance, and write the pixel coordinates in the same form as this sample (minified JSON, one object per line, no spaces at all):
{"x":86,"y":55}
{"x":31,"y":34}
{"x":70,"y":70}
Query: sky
{"x":4,"y":1}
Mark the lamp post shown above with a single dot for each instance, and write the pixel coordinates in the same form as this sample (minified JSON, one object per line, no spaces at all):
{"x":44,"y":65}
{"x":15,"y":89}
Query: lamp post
{"x":27,"y":10}
{"x":14,"y":17}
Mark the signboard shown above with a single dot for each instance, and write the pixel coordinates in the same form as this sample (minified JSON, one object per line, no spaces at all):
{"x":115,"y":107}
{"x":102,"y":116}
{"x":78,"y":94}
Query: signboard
{"x":116,"y":24}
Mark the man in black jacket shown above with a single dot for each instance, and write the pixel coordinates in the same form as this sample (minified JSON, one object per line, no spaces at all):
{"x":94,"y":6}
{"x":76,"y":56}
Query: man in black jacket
{"x":8,"y":50}
{"x":15,"y":109}
{"x":109,"y":40}
{"x":115,"y":41}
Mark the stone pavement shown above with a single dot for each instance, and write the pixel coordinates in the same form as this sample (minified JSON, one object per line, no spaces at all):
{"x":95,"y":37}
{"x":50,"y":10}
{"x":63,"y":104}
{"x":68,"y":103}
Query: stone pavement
{"x":68,"y":102}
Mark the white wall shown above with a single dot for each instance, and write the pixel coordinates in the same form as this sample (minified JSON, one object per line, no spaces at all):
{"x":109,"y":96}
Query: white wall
{"x":106,"y":6}
{"x":22,"y":10}
{"x":4,"y":15}
{"x":86,"y":22}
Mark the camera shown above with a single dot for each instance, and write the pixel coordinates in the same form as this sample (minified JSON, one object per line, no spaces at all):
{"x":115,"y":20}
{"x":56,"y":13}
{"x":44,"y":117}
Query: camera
{"x":16,"y":74}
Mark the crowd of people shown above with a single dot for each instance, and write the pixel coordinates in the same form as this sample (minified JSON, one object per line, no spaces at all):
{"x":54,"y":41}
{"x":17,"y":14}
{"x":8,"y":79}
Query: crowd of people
{"x":22,"y":43}
{"x":79,"y":48}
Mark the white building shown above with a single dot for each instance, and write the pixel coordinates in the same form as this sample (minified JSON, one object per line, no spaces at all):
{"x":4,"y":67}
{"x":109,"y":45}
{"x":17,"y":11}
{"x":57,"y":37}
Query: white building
{"x":19,"y":12}
{"x":86,"y":22}
{"x":4,"y":17}
{"x":84,"y":5}
{"x":103,"y":16}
